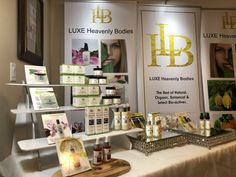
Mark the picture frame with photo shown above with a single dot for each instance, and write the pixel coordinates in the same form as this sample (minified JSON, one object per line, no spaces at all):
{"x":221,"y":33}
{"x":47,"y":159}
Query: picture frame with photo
{"x":72,"y":156}
{"x":30,"y":31}
{"x":55,"y":126}
{"x":36,"y":74}
{"x":43,"y":98}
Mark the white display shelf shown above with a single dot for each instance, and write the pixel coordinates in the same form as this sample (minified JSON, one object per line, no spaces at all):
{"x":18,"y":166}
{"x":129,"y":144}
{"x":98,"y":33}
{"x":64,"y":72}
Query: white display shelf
{"x":31,"y":110}
{"x":41,"y":143}
{"x":36,"y":85}
{"x":51,"y":85}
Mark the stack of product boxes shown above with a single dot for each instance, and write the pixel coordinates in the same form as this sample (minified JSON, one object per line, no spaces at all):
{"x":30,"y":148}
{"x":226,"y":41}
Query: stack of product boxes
{"x":72,"y":74}
{"x":96,"y":120}
{"x":88,"y":96}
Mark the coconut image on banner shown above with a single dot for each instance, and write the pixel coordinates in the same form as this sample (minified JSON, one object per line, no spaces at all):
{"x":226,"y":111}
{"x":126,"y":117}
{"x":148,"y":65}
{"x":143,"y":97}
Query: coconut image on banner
{"x":169,"y":59}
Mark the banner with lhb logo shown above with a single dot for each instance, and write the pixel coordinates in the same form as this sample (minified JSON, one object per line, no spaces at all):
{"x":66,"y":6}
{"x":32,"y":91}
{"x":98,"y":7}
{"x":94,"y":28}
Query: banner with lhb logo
{"x":103,"y":34}
{"x":218,"y":57}
{"x":169,"y":60}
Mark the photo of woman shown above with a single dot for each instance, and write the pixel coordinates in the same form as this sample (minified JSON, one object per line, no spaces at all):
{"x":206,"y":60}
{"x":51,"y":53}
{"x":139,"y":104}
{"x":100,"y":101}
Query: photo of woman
{"x":221,"y":60}
{"x":113,"y":56}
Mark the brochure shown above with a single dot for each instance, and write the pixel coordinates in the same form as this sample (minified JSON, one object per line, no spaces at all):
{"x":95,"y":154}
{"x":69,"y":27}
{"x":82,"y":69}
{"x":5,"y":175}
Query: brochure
{"x":56,"y":126}
{"x":36,"y":74}
{"x":72,"y":156}
{"x":43,"y":98}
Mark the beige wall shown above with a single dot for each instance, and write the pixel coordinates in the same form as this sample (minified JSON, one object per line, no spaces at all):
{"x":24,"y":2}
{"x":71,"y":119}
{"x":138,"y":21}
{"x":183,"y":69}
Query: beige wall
{"x":53,"y":54}
{"x":8,"y":95}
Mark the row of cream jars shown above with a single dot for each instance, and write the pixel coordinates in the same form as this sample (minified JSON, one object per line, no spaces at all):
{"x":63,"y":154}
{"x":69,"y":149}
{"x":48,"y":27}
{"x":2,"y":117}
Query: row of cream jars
{"x":93,"y":80}
{"x":109,"y":100}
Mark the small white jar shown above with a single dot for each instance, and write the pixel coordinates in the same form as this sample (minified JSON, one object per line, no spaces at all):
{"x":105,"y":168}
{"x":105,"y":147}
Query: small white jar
{"x":97,"y":71}
{"x":102,"y":80}
{"x":116,"y":100}
{"x":110,"y":91}
{"x":93,"y":80}
{"x":107,"y":100}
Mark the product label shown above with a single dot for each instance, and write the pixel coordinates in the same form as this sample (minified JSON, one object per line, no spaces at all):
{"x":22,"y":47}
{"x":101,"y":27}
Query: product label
{"x":156,"y":131}
{"x":117,"y":120}
{"x":149,"y":131}
{"x":124,"y":120}
{"x":97,"y":157}
{"x":107,"y":154}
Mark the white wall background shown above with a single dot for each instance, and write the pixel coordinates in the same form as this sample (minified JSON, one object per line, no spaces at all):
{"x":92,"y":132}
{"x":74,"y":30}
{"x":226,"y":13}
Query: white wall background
{"x":53,"y":54}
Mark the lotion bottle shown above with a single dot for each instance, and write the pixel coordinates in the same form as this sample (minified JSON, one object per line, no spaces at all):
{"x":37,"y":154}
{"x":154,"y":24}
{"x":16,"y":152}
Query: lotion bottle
{"x":60,"y":129}
{"x":157,"y":127}
{"x":86,"y":54}
{"x":202,"y":122}
{"x":117,"y":118}
{"x":149,"y":129}
{"x":207,"y":121}
{"x":124,"y":118}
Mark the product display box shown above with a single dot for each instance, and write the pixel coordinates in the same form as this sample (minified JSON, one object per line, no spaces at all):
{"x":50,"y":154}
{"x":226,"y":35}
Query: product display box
{"x":72,"y":156}
{"x":43,"y":98}
{"x":36,"y":74}
{"x":90,"y":120}
{"x":106,"y":118}
{"x":98,"y":120}
{"x":80,"y":101}
{"x":55,"y":127}
{"x":72,"y":69}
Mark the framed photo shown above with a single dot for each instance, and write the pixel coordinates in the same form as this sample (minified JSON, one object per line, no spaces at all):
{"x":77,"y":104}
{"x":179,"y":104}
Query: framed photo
{"x":30,"y":31}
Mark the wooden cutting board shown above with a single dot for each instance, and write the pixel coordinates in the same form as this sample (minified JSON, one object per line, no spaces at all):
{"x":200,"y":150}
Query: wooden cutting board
{"x":113,"y":168}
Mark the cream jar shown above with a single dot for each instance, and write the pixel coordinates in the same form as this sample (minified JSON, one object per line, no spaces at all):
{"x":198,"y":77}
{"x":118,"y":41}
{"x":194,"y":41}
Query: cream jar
{"x":107,"y":100}
{"x":102,"y":80}
{"x":110,"y":91}
{"x":116,"y":100}
{"x":97,"y":71}
{"x":93,"y":80}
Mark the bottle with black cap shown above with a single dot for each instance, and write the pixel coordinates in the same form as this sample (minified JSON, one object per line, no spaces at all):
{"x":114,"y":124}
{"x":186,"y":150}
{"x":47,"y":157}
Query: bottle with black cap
{"x":86,"y":54}
{"x":202,"y":121}
{"x":207,"y":121}
{"x":60,"y":129}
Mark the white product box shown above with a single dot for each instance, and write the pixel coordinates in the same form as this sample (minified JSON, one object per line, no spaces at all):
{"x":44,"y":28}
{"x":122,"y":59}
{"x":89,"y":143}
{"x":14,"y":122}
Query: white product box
{"x":98,"y":125}
{"x":106,"y":111}
{"x":79,"y":90}
{"x":90,"y":120}
{"x":66,"y":69}
{"x":89,"y":112}
{"x":78,"y":69}
{"x":105,"y":115}
{"x":80,"y":101}
{"x":105,"y":127}
{"x":77,"y":79}
{"x":98,"y":120}
{"x":93,"y":90}
{"x":66,"y":79}
{"x":93,"y":100}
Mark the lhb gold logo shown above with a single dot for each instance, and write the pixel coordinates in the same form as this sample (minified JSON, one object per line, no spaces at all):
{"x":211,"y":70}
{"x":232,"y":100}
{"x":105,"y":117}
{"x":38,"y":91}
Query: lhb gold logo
{"x":101,"y":15}
{"x":229,"y":22}
{"x":171,"y":52}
